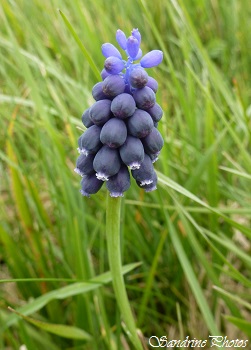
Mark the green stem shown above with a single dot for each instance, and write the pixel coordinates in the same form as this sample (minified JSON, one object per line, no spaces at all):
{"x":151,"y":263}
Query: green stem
{"x":114,"y":254}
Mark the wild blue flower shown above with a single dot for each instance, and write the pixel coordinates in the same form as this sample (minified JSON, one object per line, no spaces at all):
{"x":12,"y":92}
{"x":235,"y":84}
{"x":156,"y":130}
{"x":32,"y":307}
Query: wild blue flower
{"x":122,"y":124}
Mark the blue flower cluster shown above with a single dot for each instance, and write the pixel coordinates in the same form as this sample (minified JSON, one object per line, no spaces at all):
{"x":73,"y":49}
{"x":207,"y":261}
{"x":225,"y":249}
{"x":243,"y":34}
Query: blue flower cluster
{"x":122,"y":132}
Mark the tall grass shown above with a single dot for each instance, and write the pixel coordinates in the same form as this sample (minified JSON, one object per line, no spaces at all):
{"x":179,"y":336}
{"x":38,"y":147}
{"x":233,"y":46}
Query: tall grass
{"x":191,"y":236}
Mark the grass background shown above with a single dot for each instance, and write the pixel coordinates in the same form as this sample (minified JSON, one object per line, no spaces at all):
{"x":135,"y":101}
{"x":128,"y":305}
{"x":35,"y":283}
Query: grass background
{"x":192,"y":236}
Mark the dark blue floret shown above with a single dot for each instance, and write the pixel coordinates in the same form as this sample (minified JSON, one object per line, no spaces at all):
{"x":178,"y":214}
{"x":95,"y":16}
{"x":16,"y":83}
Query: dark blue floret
{"x":84,"y":165}
{"x":106,"y":163}
{"x":97,"y":92}
{"x":152,"y":186}
{"x":152,"y":84}
{"x":145,"y":98}
{"x":145,"y":174}
{"x":100,"y":112}
{"x":119,"y":183}
{"x":156,"y":112}
{"x":138,"y":78}
{"x":140,"y":124}
{"x":113,"y":85}
{"x":123,"y":106}
{"x":153,"y":142}
{"x":90,"y":185}
{"x":132,"y":152}
{"x":113,"y":133}
{"x":86,"y":119}
{"x":89,"y":142}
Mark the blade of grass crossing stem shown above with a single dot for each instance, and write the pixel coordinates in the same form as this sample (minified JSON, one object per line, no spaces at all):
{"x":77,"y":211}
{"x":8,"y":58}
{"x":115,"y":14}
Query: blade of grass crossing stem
{"x":82,"y":47}
{"x":65,"y":292}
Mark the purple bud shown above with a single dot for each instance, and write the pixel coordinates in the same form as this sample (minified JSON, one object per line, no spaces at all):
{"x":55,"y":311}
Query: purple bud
{"x":110,"y":50}
{"x":86,"y":119}
{"x":132,"y":152}
{"x":113,"y":65}
{"x":136,"y":34}
{"x":106,"y":163}
{"x":144,"y":175}
{"x":140,"y":124}
{"x":119,"y":183}
{"x":90,"y":185}
{"x":123,"y":106}
{"x":144,"y":98}
{"x":152,"y":83}
{"x":84,"y":165}
{"x":152,"y":59}
{"x":113,"y":133}
{"x":153,"y":142}
{"x":113,"y":85}
{"x":121,"y":39}
{"x":155,"y":112}
{"x":89,"y":141}
{"x":138,"y":77}
{"x":97,"y":92}
{"x":100,"y":112}
{"x":132,"y":46}
{"x":152,"y":186}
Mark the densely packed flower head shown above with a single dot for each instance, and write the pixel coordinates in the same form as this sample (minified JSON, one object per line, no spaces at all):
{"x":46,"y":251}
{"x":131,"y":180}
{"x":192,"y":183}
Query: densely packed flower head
{"x":122,"y":132}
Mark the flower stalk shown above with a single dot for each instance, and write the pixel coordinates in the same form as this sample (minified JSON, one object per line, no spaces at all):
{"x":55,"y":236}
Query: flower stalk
{"x":113,"y":209}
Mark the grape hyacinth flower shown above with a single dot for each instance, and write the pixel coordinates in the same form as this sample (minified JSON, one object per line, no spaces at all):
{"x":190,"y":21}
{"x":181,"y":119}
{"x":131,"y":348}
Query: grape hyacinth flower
{"x":122,"y":135}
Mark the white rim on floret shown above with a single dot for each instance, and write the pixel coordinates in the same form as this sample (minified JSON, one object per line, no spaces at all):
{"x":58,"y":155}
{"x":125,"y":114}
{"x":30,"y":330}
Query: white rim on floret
{"x":134,"y":165}
{"x":84,"y":151}
{"x":102,"y":176}
{"x":116,"y":194}
{"x":85,"y":193}
{"x":146,"y":182}
{"x":79,"y":172}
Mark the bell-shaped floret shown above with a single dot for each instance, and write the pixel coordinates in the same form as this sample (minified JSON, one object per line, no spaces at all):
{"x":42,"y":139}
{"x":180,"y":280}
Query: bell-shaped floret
{"x":84,"y":165}
{"x":113,"y":133}
{"x":153,"y":142}
{"x":89,"y":142}
{"x":123,"y":106}
{"x":140,"y":124}
{"x":86,"y":119}
{"x":156,"y":112}
{"x":138,"y":77}
{"x":152,"y":59}
{"x":132,"y":46}
{"x":144,"y":175}
{"x":90,"y":185}
{"x":110,"y":50}
{"x":152,"y":84}
{"x":113,"y":65}
{"x":98,"y":93}
{"x":144,"y":98}
{"x":100,"y":112}
{"x":132,"y":152}
{"x":106,"y":163}
{"x":152,"y":186}
{"x":113,"y":85}
{"x":119,"y":183}
{"x":121,"y":39}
